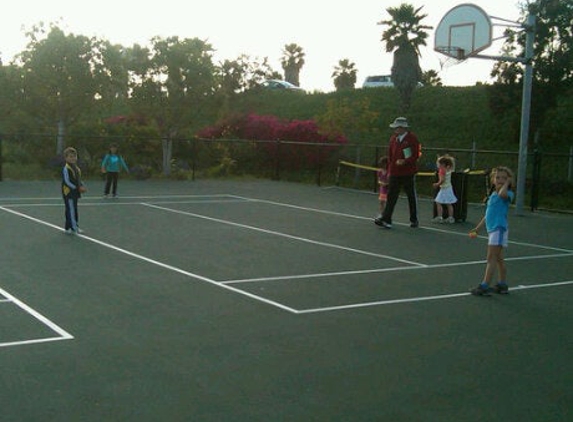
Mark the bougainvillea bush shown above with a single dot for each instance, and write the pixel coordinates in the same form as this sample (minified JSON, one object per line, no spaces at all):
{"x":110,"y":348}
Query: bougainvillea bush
{"x":293,"y":145}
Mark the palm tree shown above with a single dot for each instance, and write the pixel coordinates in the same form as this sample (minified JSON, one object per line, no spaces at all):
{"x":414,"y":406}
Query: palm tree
{"x":292,"y":61}
{"x":404,"y":36}
{"x":344,"y":75}
{"x":431,"y":78}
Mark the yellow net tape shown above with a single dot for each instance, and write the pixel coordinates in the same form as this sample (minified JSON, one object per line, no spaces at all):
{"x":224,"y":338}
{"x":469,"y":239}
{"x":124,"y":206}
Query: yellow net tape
{"x":433,"y":173}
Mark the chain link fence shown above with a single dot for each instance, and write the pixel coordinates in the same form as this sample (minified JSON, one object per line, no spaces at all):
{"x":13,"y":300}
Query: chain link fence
{"x":549,"y":179}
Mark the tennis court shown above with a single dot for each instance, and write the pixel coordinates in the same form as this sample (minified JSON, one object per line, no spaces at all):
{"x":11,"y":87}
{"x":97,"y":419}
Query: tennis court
{"x":273,"y":301}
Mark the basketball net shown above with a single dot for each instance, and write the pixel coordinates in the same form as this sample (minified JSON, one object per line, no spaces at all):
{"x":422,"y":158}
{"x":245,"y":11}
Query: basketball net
{"x":451,"y":56}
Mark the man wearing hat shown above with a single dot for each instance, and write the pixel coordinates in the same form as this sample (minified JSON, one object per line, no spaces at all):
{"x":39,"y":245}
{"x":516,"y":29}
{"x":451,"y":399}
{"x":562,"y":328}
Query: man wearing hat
{"x":403,"y":154}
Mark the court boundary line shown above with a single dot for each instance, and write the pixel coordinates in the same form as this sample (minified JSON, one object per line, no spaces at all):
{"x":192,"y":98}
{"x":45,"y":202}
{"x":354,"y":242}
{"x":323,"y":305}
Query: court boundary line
{"x":111,"y":200}
{"x":63,"y":334}
{"x":359,"y":217}
{"x":384,"y":270}
{"x":424,"y":298}
{"x":95,"y":202}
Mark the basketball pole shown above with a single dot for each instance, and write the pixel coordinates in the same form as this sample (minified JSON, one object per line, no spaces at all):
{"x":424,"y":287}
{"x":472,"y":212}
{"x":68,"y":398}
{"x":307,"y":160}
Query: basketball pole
{"x":525,"y":115}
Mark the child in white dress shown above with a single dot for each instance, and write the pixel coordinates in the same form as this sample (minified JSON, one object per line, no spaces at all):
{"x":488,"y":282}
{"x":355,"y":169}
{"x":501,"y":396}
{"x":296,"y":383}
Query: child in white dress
{"x":445,"y":196}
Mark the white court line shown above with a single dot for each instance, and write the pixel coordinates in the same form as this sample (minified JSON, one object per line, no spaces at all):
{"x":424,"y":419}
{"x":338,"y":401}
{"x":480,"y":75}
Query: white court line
{"x":63,"y":334}
{"x":358,"y":217}
{"x":423,"y":298}
{"x":88,"y":197}
{"x":385,"y":270}
{"x":154,"y":262}
{"x":111,"y":202}
{"x":288,"y":236}
{"x":100,"y":201}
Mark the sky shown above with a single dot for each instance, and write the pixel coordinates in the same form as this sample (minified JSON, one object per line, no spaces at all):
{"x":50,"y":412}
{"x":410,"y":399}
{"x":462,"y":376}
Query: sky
{"x":327,"y":31}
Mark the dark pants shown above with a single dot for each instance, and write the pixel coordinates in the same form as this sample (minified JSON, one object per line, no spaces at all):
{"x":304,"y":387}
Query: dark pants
{"x":72,"y":216}
{"x":111,"y":182}
{"x":395,"y":184}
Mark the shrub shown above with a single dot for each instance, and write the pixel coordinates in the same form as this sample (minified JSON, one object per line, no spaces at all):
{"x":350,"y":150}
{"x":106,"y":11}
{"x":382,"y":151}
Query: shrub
{"x":285,"y":140}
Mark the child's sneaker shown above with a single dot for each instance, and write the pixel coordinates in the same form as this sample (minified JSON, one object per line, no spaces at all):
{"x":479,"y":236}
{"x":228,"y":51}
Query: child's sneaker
{"x":438,"y":220}
{"x":480,"y":290}
{"x":450,"y":220}
{"x":501,"y":289}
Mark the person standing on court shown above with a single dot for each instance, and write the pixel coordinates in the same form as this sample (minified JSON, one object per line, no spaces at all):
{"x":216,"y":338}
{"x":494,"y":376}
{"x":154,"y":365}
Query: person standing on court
{"x":496,"y":224}
{"x":72,"y":189}
{"x":110,"y":166}
{"x":403,"y":154}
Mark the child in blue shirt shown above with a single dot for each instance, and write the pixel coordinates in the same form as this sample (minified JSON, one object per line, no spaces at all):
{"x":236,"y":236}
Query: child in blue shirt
{"x":495,"y":220}
{"x":110,"y":166}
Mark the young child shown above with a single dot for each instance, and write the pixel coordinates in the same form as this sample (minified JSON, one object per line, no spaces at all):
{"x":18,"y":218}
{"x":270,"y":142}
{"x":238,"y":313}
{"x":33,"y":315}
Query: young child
{"x":495,"y":220}
{"x":110,"y":166}
{"x":72,"y":189}
{"x":445,"y":196}
{"x":382,"y":174}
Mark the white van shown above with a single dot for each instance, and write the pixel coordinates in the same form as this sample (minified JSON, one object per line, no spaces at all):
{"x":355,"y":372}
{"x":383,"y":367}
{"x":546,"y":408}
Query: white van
{"x":378,"y":80}
{"x":382,"y":80}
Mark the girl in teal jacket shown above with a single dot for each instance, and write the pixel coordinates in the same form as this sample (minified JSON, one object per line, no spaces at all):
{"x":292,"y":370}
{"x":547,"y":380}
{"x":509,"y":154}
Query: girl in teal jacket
{"x":110,"y":166}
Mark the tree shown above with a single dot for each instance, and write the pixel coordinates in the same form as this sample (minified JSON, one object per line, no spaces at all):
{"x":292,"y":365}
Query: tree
{"x":431,"y":78}
{"x":404,"y":36}
{"x":59,"y":75}
{"x":292,"y":62}
{"x":173,"y":86}
{"x":552,"y":61}
{"x":243,"y":73}
{"x":344,"y":75}
{"x":354,"y":118}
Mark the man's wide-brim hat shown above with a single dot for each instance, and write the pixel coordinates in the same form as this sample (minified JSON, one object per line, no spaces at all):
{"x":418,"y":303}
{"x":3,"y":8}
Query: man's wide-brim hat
{"x":399,"y":122}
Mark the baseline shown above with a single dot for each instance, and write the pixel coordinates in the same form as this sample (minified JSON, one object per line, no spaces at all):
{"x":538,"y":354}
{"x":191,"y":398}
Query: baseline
{"x":425,"y":298}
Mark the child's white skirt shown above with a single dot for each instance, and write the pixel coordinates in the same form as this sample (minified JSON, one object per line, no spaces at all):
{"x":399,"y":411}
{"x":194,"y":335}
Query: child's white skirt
{"x":446,"y":196}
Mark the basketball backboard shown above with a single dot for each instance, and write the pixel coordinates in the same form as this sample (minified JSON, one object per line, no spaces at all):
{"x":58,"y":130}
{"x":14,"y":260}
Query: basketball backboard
{"x":463,"y":32}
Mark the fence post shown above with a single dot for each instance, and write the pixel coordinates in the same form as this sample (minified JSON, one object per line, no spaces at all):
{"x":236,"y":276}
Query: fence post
{"x":278,"y":159}
{"x":474,"y":149}
{"x":570,"y":173}
{"x":319,"y":163}
{"x":357,"y":169}
{"x":377,"y":154}
{"x":194,"y":157}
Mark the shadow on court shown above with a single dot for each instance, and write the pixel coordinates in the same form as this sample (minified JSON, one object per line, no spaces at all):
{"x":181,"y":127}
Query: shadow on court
{"x":271,"y":301}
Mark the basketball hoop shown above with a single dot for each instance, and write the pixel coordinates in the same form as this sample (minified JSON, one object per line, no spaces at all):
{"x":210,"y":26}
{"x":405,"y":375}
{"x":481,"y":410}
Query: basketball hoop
{"x":463,"y":32}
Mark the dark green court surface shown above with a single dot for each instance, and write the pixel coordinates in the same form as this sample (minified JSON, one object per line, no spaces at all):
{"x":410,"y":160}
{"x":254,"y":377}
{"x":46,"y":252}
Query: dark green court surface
{"x":271,"y":301}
